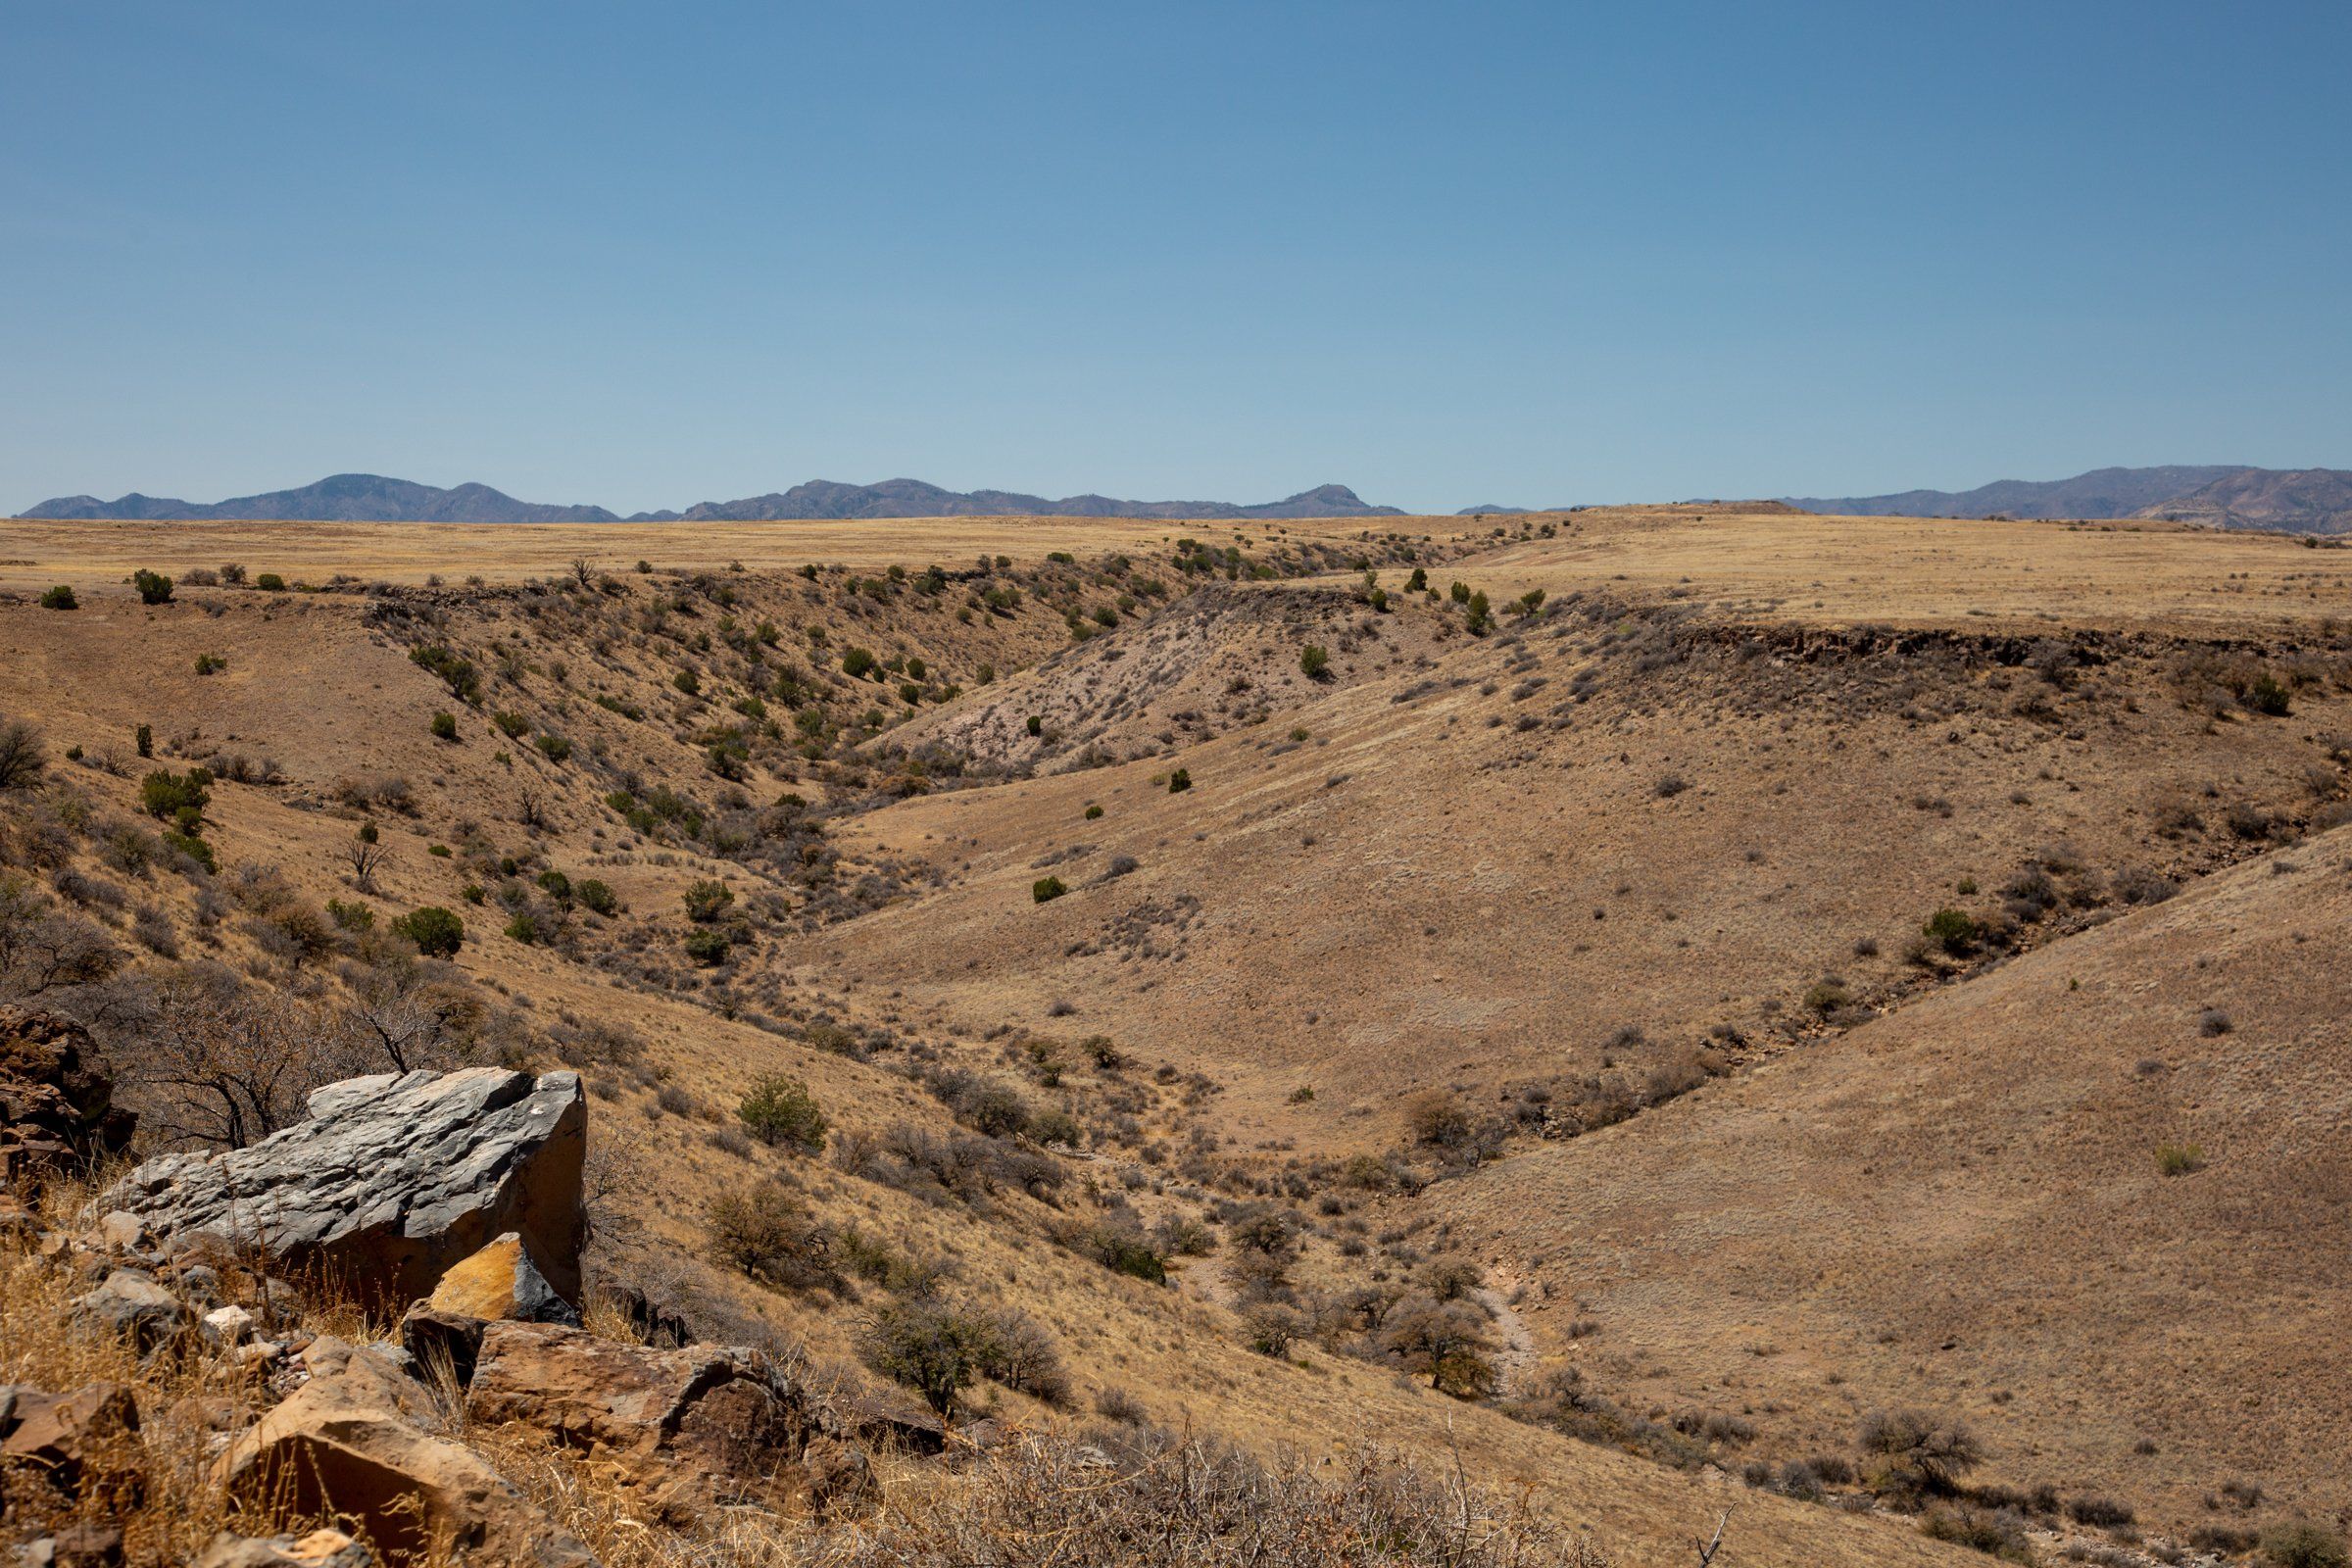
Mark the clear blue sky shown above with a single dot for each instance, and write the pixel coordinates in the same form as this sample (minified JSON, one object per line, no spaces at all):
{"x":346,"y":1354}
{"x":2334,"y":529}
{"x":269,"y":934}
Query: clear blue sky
{"x":1449,"y":253}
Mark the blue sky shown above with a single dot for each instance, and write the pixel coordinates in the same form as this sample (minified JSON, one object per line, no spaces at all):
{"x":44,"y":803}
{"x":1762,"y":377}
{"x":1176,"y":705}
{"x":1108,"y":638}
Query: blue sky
{"x":1448,"y":254}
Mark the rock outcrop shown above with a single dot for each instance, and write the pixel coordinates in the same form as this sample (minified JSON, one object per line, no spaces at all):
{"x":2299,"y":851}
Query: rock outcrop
{"x":692,"y":1426}
{"x":393,"y":1181}
{"x":502,"y":1284}
{"x":356,"y":1443}
{"x":57,"y":1106}
{"x":67,"y":1437}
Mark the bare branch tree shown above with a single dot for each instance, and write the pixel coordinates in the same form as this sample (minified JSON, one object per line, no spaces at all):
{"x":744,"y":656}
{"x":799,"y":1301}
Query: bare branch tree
{"x":398,"y":1012}
{"x":364,"y":860}
{"x":41,"y":951}
{"x":224,"y":1063}
{"x":1708,"y":1548}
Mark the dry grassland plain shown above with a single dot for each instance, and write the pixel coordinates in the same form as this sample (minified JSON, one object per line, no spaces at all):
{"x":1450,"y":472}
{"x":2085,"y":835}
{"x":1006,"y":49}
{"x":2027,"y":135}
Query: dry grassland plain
{"x":1581,"y":927}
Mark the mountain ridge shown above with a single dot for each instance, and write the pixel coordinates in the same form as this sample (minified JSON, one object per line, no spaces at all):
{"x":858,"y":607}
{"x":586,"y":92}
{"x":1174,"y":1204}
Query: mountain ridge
{"x":374,"y":498}
{"x":2214,"y":495}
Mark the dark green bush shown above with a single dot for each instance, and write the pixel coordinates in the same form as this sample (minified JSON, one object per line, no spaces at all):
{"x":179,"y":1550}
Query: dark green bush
{"x":1952,"y":930}
{"x":437,"y":932}
{"x":457,"y":673}
{"x":154,"y":587}
{"x":445,"y":727}
{"x":167,"y":795}
{"x":597,"y":895}
{"x":1046,"y":889}
{"x":60,"y":597}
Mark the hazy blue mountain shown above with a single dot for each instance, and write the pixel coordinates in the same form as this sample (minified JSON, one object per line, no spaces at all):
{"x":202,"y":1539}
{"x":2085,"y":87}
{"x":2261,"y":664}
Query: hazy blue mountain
{"x":371,"y":497}
{"x":339,"y":497}
{"x":912,"y":498}
{"x":2100,"y":493}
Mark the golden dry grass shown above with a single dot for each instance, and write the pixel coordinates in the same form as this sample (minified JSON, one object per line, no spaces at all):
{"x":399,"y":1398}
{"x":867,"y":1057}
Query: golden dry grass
{"x":1403,"y":900}
{"x":33,"y":554}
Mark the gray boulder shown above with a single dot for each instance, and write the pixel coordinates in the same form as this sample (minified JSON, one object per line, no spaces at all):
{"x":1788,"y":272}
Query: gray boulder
{"x":393,"y":1180}
{"x":133,"y":1307}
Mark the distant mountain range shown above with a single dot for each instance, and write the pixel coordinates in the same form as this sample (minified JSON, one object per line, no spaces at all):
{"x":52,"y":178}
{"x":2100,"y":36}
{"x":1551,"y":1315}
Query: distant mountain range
{"x":2225,"y":496}
{"x":370,"y":498}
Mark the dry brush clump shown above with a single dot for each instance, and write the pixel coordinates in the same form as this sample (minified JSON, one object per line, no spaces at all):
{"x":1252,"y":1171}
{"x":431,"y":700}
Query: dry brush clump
{"x":1149,"y":1497}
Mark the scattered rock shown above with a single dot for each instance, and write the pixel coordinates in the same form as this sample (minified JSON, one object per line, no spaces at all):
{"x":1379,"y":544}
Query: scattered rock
{"x":67,"y":1437}
{"x":884,"y":1422}
{"x":228,"y":1325}
{"x":88,"y":1543}
{"x":435,"y":1338}
{"x":320,"y":1548}
{"x":394,"y":1180}
{"x":132,"y":1306}
{"x":692,"y":1427}
{"x":122,"y":1233}
{"x":353,"y":1442}
{"x":57,"y":1106}
{"x":501,"y":1284}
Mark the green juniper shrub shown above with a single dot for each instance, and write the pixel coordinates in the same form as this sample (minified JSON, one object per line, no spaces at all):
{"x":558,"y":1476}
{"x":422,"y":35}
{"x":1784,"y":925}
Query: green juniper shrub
{"x":437,"y":932}
{"x":707,"y":946}
{"x":1046,"y":889}
{"x":1316,"y":660}
{"x":597,"y":895}
{"x":456,"y":672}
{"x":167,"y":795}
{"x":705,"y":900}
{"x":780,"y":1112}
{"x":445,"y":727}
{"x":1952,"y":930}
{"x":195,"y":849}
{"x":60,"y":597}
{"x":1180,"y":781}
{"x":269,"y":582}
{"x":154,"y":587}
